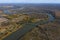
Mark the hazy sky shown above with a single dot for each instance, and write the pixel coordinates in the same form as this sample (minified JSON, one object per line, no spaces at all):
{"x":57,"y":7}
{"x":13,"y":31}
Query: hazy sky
{"x":29,"y":1}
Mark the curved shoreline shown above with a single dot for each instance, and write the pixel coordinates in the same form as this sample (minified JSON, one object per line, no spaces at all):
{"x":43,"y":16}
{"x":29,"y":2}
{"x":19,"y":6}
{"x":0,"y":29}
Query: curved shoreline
{"x":20,"y":32}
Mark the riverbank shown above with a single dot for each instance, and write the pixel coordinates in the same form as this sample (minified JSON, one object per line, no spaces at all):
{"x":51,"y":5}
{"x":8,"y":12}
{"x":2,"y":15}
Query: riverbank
{"x":19,"y":33}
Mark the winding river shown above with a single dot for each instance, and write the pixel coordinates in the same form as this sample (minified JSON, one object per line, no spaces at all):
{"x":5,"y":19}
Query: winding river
{"x":26,"y":28}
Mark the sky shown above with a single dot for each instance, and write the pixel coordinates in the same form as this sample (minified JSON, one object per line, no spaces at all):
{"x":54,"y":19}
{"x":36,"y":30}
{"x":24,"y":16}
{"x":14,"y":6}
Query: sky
{"x":29,"y":1}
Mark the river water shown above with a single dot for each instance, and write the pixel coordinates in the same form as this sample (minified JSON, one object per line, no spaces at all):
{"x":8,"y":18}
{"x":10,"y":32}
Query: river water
{"x":26,"y":28}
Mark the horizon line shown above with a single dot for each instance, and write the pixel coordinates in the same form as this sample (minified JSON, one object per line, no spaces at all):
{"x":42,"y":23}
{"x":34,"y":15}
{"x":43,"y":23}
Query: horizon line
{"x":30,"y":3}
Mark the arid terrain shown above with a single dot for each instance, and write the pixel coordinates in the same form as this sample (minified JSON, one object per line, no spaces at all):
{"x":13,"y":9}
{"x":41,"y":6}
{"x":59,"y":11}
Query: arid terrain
{"x":15,"y":17}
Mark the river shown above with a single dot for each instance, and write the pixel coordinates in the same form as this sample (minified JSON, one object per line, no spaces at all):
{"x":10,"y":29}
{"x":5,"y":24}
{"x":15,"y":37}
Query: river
{"x":26,"y":28}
